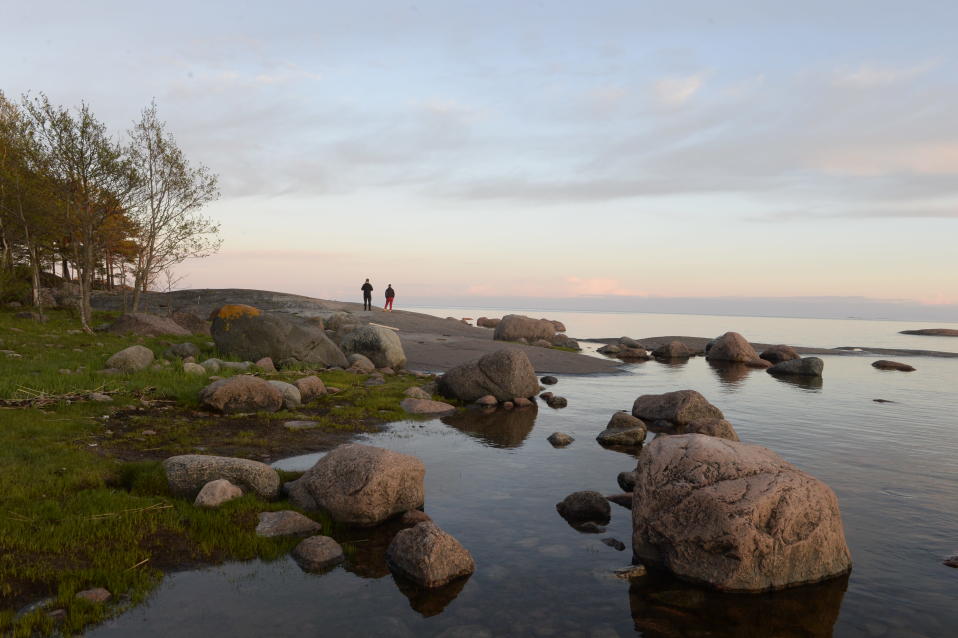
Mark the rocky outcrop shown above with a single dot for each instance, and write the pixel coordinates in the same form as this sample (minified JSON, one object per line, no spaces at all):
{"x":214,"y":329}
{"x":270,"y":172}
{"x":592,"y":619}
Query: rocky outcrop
{"x":429,"y":556}
{"x":146,"y":325}
{"x":188,"y":473}
{"x":131,"y":359}
{"x":241,"y":393}
{"x":245,"y":332}
{"x":734,"y":516}
{"x":380,"y":345}
{"x":803,"y":367}
{"x":585,"y":506}
{"x":779,"y":353}
{"x":883,"y":364}
{"x":678,"y":408}
{"x":672,"y":350}
{"x":932,"y":332}
{"x":217,"y":492}
{"x":361,"y":484}
{"x":317,"y":553}
{"x":732,"y":346}
{"x":515,"y":327}
{"x":504,"y":374}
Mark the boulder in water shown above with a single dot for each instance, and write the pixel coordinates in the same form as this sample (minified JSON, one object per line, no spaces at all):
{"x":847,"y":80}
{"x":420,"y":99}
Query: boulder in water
{"x":803,"y":367}
{"x":504,"y":374}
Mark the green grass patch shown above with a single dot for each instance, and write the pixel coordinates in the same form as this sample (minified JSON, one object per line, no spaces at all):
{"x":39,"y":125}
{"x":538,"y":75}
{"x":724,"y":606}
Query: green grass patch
{"x":83,"y":498}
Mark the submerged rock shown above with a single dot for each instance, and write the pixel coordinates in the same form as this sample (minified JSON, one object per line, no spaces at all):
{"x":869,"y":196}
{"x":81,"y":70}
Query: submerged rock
{"x":623,"y":429}
{"x":560,"y":439}
{"x":883,"y":364}
{"x":734,"y":516}
{"x":587,"y":505}
{"x":317,"y":553}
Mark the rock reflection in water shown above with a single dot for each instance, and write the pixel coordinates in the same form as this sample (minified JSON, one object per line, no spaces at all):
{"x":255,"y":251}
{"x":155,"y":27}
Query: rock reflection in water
{"x":802,"y":381}
{"x":429,"y":602}
{"x":496,"y":427}
{"x":730,"y":373}
{"x":672,"y":609}
{"x":365,"y":548}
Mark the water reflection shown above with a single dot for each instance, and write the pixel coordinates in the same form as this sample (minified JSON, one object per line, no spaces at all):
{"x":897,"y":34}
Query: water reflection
{"x":674,"y":609}
{"x":731,"y":374}
{"x":801,"y":381}
{"x":495,"y":428}
{"x":430,"y":602}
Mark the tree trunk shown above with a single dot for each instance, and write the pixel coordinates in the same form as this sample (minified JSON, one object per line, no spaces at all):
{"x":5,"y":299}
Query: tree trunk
{"x":86,"y":266}
{"x":34,"y":251}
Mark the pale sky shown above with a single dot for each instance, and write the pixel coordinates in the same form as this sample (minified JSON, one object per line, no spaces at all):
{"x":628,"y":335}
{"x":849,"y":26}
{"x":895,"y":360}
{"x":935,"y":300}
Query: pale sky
{"x":619,"y":151}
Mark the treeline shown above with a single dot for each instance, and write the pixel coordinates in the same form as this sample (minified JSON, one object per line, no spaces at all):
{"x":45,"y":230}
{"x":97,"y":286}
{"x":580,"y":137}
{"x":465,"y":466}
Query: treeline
{"x":97,"y":210}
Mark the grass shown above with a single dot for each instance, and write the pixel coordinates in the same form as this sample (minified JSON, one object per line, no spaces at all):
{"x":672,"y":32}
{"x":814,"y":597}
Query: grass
{"x":83,"y":499}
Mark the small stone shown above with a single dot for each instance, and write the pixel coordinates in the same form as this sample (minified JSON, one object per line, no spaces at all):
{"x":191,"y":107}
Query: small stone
{"x":487,"y":400}
{"x":545,"y":396}
{"x":317,"y":553}
{"x":65,"y":371}
{"x":614,"y":543}
{"x":426,"y":407}
{"x":508,"y":405}
{"x":416,"y":392}
{"x":266,"y":363}
{"x":99,"y":397}
{"x":952,"y":561}
{"x":557,"y":402}
{"x":626,"y":481}
{"x":285,"y":523}
{"x":560,"y":439}
{"x":217,"y":492}
{"x":522,"y":402}
{"x":194,"y":369}
{"x":632,"y":571}
{"x":549,"y":380}
{"x":95,"y":595}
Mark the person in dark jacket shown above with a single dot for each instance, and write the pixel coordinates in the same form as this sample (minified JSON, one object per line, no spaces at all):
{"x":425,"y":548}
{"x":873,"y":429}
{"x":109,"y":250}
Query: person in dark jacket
{"x":367,"y":295}
{"x":390,"y":294}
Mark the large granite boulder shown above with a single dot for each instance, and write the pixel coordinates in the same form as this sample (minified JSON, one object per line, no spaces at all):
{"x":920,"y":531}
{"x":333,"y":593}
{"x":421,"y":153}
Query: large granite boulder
{"x":241,"y":393}
{"x":361,"y":484}
{"x":249,"y":333}
{"x":188,"y":473}
{"x":505,"y":374}
{"x":146,"y":325}
{"x":379,"y":345}
{"x":734,"y":516}
{"x":680,"y":407}
{"x":131,"y":359}
{"x":779,"y":353}
{"x":804,"y":367}
{"x":732,"y":346}
{"x":515,"y":327}
{"x":428,"y":556}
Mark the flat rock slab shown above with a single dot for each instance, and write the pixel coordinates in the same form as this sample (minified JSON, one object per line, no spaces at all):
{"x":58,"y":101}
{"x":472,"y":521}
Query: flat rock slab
{"x":286,"y":523}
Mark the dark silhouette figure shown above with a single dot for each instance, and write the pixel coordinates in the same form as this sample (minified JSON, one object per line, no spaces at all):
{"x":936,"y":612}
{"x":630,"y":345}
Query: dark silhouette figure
{"x":367,"y":295}
{"x":390,"y":295}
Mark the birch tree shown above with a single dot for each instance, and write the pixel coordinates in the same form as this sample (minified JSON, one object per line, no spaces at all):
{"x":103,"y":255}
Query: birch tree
{"x":169,"y":197}
{"x":94,"y":180}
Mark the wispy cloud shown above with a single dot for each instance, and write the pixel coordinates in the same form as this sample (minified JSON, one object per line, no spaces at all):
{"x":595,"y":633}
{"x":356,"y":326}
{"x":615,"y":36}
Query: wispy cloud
{"x":677,"y":90}
{"x":870,"y":76}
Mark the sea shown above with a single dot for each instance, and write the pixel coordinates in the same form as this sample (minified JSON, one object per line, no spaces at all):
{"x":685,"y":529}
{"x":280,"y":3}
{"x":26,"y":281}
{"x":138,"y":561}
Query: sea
{"x":493,"y":481}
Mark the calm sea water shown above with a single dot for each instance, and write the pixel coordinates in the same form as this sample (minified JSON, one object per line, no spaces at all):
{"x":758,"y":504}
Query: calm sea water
{"x":493,"y":482}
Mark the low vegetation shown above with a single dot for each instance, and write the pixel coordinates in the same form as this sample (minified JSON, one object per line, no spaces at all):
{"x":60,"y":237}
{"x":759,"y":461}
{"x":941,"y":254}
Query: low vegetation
{"x":85,"y":503}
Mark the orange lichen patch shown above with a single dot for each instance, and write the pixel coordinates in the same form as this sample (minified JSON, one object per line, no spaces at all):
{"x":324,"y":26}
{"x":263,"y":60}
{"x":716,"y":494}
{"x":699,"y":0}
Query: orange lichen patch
{"x":235,"y":311}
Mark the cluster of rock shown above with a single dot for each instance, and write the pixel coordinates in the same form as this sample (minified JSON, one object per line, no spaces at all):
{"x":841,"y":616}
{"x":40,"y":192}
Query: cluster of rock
{"x":710,"y":508}
{"x":781,"y":359}
{"x":355,"y":484}
{"x":246,"y":393}
{"x":544,"y":333}
{"x":627,"y":349}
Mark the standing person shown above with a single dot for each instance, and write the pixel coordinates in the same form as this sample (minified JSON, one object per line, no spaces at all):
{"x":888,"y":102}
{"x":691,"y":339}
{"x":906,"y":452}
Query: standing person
{"x":390,"y":294}
{"x":367,"y":295}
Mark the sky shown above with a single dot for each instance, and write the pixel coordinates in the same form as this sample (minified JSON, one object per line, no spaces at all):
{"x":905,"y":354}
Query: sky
{"x":619,"y":154}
